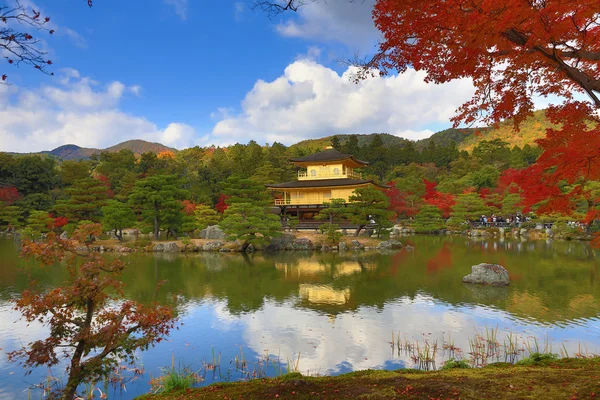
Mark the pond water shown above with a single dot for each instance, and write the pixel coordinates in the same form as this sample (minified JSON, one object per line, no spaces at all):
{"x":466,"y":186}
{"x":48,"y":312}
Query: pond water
{"x":334,"y":313}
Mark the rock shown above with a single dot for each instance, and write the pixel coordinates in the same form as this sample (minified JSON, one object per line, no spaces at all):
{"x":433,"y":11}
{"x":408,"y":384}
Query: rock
{"x":171,"y":247}
{"x":212,"y":246}
{"x":389,"y":245}
{"x":342,"y":246}
{"x":302,"y":244}
{"x":501,"y":232}
{"x":325,"y":248}
{"x":283,"y":242}
{"x":549,"y":232}
{"x":131,"y":232}
{"x":408,"y":247}
{"x":212,"y":232}
{"x":488,"y":274}
{"x":250,"y":248}
{"x":356,"y":245}
{"x":523,"y":232}
{"x":487,"y":293}
{"x":158,"y":248}
{"x":64,"y":235}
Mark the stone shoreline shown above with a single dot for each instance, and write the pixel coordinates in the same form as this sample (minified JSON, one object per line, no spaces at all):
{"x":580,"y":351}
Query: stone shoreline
{"x":285,"y":243}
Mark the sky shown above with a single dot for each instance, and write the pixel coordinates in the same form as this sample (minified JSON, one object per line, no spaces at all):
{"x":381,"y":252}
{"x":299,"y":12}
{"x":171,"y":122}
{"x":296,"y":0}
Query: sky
{"x":198,"y":72}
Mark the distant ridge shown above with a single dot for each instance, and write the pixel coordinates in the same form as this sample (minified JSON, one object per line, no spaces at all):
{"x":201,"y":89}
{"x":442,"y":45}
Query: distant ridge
{"x":530,"y":130}
{"x":74,"y":152}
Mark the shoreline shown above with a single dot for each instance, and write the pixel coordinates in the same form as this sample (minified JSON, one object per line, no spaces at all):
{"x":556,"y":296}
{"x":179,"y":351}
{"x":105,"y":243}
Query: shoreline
{"x":311,"y":241}
{"x":558,"y":379}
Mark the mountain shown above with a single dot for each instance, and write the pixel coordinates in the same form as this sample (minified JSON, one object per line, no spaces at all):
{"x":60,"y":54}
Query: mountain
{"x":74,"y":152}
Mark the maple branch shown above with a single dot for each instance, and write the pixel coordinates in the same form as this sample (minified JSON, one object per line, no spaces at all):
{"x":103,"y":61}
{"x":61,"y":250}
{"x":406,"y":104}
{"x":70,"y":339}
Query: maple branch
{"x":587,"y":83}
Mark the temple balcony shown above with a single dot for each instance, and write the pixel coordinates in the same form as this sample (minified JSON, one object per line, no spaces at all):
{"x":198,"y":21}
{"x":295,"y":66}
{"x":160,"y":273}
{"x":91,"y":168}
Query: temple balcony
{"x":303,"y":201}
{"x":348,"y":174}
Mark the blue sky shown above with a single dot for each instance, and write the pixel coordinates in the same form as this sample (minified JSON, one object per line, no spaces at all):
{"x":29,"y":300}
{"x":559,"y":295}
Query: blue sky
{"x":191,"y":72}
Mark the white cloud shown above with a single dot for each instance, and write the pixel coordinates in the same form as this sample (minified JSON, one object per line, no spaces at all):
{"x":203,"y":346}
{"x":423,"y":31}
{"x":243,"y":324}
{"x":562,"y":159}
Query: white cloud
{"x":77,"y":110}
{"x":238,"y":10}
{"x":336,"y":20}
{"x":310,"y":101}
{"x":180,"y":7}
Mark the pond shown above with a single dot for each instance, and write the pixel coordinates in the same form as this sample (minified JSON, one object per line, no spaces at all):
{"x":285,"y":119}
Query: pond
{"x":334,"y":313}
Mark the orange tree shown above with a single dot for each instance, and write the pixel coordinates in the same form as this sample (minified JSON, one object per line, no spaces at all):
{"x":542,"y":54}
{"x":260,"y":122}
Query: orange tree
{"x":89,"y":322}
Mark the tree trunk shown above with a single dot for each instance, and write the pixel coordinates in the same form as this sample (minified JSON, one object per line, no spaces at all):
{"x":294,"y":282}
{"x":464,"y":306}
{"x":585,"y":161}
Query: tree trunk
{"x":75,"y":372}
{"x":245,"y":246}
{"x":156,"y":222}
{"x":119,"y":234}
{"x":360,"y":227}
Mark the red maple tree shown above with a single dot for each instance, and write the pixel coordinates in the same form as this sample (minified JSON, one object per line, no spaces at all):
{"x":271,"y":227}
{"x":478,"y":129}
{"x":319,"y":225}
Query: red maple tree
{"x":397,"y":200}
{"x":9,"y":194}
{"x":221,"y":205}
{"x":90,"y":324}
{"x":443,"y":201}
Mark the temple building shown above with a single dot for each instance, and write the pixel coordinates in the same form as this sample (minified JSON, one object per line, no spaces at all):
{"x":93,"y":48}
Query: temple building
{"x":323,"y":176}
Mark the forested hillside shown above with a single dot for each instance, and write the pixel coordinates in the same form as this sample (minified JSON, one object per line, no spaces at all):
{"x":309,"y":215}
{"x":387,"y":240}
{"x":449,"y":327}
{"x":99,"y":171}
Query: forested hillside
{"x":74,"y":152}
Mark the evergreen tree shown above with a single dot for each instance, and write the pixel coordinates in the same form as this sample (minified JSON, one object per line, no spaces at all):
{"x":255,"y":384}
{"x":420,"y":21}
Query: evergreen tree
{"x":366,"y":205}
{"x":86,"y":198}
{"x":267,"y":173}
{"x":242,"y":190}
{"x":158,"y":198}
{"x":10,"y":216}
{"x":249,"y":223}
{"x":71,"y":171}
{"x":39,"y":222}
{"x":351,"y":146}
{"x":335,"y":143}
{"x":117,"y":216}
{"x":511,"y":204}
{"x":333,"y":210}
{"x":205,"y":216}
{"x":469,"y":207}
{"x":429,"y":219}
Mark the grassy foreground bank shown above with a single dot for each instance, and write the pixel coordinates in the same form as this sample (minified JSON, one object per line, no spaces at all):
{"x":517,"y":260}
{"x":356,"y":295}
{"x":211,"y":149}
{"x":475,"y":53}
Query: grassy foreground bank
{"x":560,"y":379}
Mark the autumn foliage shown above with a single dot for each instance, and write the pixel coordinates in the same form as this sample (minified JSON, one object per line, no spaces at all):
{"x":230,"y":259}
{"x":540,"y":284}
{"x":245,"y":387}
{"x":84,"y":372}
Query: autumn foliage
{"x":9,"y":194}
{"x":90,"y":324}
{"x":512,"y":51}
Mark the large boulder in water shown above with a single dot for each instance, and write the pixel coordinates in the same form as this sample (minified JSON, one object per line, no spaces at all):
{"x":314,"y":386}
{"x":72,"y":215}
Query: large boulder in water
{"x":212,"y":232}
{"x":488,"y":274}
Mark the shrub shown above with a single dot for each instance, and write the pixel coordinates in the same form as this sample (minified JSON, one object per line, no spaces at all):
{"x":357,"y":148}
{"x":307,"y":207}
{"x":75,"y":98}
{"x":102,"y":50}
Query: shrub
{"x":535,"y":358}
{"x":452,"y":363}
{"x":332,"y":232}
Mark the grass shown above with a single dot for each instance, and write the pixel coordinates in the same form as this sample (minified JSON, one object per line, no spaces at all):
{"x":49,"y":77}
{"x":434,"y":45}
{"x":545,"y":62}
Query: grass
{"x":175,"y":379}
{"x":546,"y":379}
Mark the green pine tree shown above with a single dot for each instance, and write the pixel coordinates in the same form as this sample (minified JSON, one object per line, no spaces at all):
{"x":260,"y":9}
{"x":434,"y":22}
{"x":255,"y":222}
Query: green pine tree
{"x":368,"y":204}
{"x":428,"y":220}
{"x":250,"y":223}
{"x":85,"y":199}
{"x":333,"y":210}
{"x":469,"y":207}
{"x":117,"y":216}
{"x":158,"y":199}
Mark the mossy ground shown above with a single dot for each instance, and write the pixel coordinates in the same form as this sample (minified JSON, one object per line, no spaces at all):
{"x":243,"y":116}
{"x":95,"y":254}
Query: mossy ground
{"x":561,"y":379}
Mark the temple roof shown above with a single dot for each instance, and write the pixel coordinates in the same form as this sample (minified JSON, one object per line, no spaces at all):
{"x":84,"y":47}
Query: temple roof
{"x":328,"y":156}
{"x":322,"y":183}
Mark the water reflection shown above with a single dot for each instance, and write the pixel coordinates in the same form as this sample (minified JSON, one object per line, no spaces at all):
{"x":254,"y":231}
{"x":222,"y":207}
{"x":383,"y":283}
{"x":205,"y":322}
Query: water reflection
{"x":339,"y":310}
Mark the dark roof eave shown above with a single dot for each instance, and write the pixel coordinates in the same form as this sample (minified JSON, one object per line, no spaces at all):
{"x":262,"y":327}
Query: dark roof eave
{"x":323,"y":183}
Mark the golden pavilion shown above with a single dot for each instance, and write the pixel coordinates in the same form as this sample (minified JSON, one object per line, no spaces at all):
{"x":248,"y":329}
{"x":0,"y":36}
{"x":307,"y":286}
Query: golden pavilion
{"x":323,"y":176}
